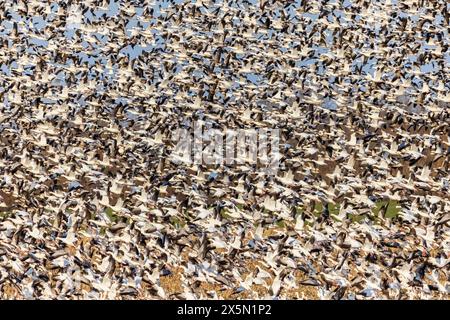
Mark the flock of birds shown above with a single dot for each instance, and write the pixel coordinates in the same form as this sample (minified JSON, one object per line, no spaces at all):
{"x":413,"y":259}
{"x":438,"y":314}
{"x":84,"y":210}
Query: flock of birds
{"x":92,"y":207}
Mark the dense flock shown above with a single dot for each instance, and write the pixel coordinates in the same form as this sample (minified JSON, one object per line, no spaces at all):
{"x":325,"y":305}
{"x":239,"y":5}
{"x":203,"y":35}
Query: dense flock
{"x":93,"y":207}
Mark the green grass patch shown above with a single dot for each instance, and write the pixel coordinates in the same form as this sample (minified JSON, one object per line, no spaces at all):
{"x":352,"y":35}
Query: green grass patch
{"x":5,"y":215}
{"x":393,"y":209}
{"x":334,"y":208}
{"x":111,"y":215}
{"x":318,"y":208}
{"x":224,"y":214}
{"x":281,"y":223}
{"x":177,"y":222}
